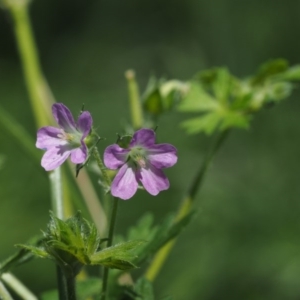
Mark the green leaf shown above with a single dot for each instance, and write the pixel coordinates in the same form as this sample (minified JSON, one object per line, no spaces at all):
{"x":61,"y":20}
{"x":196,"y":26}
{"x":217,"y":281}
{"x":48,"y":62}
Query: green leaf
{"x":279,"y":91}
{"x":21,"y":256}
{"x":206,"y":123}
{"x":144,"y":229}
{"x":152,"y":99}
{"x":235,"y":119}
{"x":197,"y":100}
{"x":144,"y":290}
{"x":119,"y":256}
{"x":34,"y":250}
{"x":166,"y":232}
{"x":222,"y":85}
{"x":161,"y":95}
{"x":270,"y":68}
{"x":290,"y":74}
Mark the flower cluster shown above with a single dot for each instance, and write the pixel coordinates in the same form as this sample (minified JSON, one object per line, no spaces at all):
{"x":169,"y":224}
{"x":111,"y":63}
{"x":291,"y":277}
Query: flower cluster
{"x":141,"y":162}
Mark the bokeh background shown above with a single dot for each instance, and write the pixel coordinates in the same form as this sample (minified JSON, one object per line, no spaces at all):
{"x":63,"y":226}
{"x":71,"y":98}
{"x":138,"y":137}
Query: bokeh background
{"x":244,"y":243}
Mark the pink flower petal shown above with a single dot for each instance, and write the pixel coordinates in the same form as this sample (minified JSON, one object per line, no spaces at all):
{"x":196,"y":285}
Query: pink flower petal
{"x":162,"y":155}
{"x":48,"y":137}
{"x":79,"y":155}
{"x":84,"y":123}
{"x":143,"y":137}
{"x":54,"y":157}
{"x":153,"y":180}
{"x":124,"y":185}
{"x":63,"y":117}
{"x":115,"y":156}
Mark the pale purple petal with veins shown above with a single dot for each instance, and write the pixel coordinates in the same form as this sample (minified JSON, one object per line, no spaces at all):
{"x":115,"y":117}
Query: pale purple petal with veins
{"x":162,"y":155}
{"x":48,"y":137}
{"x":79,"y":155}
{"x":55,"y":156}
{"x":84,"y":123}
{"x":115,"y":156}
{"x":124,"y":185}
{"x":144,"y":137}
{"x":153,"y":180}
{"x":63,"y":117}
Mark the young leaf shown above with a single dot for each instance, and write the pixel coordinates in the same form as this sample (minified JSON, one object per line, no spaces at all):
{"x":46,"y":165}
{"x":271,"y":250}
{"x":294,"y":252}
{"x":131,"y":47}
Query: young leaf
{"x":119,"y":256}
{"x":21,"y":256}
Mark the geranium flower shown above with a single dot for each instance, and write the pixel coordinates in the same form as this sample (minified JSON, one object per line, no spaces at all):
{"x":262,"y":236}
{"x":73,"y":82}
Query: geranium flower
{"x":141,"y":162}
{"x":69,"y":139}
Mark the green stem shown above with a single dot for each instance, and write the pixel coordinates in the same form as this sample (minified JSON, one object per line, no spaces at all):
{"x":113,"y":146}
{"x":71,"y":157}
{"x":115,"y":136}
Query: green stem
{"x":16,"y":130}
{"x":112,"y":225}
{"x":65,"y":282}
{"x":185,"y":206}
{"x":101,"y":166}
{"x":36,"y":85}
{"x":134,"y":100}
{"x":4,"y":294}
{"x":56,"y":193}
{"x":18,"y":287}
{"x":66,"y":286}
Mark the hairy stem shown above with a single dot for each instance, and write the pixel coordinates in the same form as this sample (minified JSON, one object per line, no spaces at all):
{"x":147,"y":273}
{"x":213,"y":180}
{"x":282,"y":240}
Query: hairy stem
{"x":112,"y":225}
{"x":185,"y":207}
{"x":101,"y":166}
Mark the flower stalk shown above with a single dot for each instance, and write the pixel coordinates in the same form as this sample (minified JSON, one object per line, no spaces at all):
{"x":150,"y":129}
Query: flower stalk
{"x":185,"y":207}
{"x":101,"y":166}
{"x":112,"y":226}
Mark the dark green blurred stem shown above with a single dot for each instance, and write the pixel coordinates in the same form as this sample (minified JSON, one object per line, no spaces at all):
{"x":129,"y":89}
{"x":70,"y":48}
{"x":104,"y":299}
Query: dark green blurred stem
{"x":186,"y":206}
{"x":198,"y":180}
{"x":134,"y":101}
{"x":112,"y":225}
{"x":66,"y":286}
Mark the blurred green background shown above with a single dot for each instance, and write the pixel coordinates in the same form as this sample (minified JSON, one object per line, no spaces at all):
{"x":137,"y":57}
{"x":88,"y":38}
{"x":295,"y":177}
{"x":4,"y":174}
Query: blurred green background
{"x":244,"y":243}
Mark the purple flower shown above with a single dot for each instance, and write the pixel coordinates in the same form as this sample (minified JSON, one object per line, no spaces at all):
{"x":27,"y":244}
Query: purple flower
{"x":141,"y":162}
{"x":69,"y":139}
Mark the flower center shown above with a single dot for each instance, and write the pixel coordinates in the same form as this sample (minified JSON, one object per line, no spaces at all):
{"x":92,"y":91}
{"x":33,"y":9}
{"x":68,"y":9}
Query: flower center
{"x":71,"y":138}
{"x":139,"y":156}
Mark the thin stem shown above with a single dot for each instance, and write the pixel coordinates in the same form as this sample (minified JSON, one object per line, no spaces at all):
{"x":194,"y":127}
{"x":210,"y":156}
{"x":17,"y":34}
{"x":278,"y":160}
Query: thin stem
{"x":56,"y":193}
{"x":37,"y":87}
{"x":18,"y":287}
{"x":101,"y":166}
{"x":65,"y":282}
{"x":134,"y":100}
{"x":112,"y":225}
{"x":185,"y":206}
{"x":4,"y":294}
